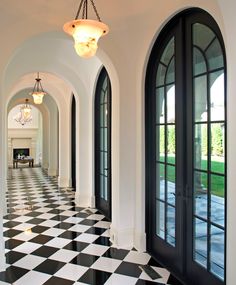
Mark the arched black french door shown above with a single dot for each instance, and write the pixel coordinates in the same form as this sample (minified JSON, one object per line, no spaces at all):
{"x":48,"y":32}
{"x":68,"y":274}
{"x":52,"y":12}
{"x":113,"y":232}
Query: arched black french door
{"x":186,"y":149}
{"x":73,"y":142}
{"x":103,"y":144}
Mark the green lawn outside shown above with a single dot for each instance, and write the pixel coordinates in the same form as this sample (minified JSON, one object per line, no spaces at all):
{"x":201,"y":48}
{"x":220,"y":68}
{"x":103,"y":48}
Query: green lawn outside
{"x":217,"y":181}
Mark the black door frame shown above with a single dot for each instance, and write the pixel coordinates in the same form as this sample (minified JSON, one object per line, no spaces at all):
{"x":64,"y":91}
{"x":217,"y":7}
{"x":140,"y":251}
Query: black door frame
{"x":102,"y":205}
{"x":184,"y":203}
{"x":73,"y":142}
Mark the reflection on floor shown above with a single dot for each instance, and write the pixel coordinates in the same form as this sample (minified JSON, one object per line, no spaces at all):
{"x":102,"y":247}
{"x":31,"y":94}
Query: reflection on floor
{"x":51,"y":241}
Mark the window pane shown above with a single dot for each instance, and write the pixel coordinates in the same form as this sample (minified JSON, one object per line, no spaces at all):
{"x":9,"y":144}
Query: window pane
{"x":217,"y":252}
{"x":200,"y":98}
{"x":200,"y":146}
{"x":160,"y":181}
{"x":199,"y":64}
{"x":101,"y":186}
{"x":160,"y":219}
{"x":200,"y":194}
{"x":105,"y":110}
{"x":200,"y":242}
{"x":101,"y":138}
{"x":214,"y":55}
{"x":217,"y":148}
{"x":170,"y":103}
{"x":168,"y":52}
{"x":202,"y":36}
{"x":105,"y":139}
{"x":171,"y":144}
{"x":160,"y":106}
{"x":160,"y":143}
{"x":217,"y":95}
{"x":170,"y":225}
{"x":170,"y":75}
{"x":171,"y":184}
{"x":101,"y":114}
{"x":217,"y":200}
{"x":161,"y":72}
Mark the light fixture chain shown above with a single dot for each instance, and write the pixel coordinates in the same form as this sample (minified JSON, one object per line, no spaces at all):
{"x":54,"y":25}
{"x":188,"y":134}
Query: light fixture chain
{"x":95,"y":9}
{"x":85,"y":10}
{"x":80,"y":7}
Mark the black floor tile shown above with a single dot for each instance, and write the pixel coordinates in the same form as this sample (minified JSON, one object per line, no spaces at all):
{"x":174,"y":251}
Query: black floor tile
{"x":69,"y":235}
{"x":11,"y":233}
{"x":11,"y":224}
{"x":13,"y":256}
{"x":12,"y":243}
{"x":36,"y":221}
{"x":39,"y":229}
{"x":64,"y":225}
{"x":58,"y":281}
{"x":76,"y":246}
{"x":45,"y":251}
{"x":49,"y":266}
{"x":84,"y":259}
{"x":95,"y":231}
{"x":94,"y":277}
{"x":41,"y":239}
{"x":129,"y":269}
{"x":103,"y":241}
{"x":88,"y":222}
{"x":34,"y":214}
{"x":12,"y":274}
{"x":116,"y":253}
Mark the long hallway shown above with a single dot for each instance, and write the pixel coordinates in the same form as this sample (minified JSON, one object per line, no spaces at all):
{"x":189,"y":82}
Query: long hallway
{"x":49,"y":240}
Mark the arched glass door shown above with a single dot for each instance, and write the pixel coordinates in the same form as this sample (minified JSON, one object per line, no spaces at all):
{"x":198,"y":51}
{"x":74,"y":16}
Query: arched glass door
{"x":186,"y":149}
{"x":103,"y":144}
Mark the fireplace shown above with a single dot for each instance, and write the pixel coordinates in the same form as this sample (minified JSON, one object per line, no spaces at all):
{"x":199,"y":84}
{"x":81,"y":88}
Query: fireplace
{"x":21,"y":151}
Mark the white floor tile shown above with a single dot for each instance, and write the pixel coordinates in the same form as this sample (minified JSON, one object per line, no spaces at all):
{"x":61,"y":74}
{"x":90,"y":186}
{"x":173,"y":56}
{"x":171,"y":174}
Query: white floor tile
{"x":46,"y":216}
{"x":73,"y":220}
{"x":95,"y":249}
{"x":102,"y":224}
{"x":137,"y":257}
{"x":79,"y":228}
{"x":58,"y":242}
{"x":29,"y":261}
{"x":106,"y":264}
{"x":64,"y":255}
{"x":71,"y":272}
{"x":24,"y":226}
{"x":33,"y":278}
{"x":25,"y":236}
{"x":27,"y":247}
{"x":96,"y":217}
{"x":54,"y":232}
{"x":50,"y":223}
{"x":117,"y":279}
{"x":89,"y":238}
{"x":22,"y":219}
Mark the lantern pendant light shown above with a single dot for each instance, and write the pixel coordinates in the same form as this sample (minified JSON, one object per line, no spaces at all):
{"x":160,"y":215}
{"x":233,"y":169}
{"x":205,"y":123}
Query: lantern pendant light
{"x":38,"y":92}
{"x":86,"y":32}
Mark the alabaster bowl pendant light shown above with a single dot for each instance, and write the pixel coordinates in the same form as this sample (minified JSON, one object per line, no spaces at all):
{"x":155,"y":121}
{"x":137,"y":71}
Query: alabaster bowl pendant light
{"x":38,"y":92}
{"x":86,"y":32}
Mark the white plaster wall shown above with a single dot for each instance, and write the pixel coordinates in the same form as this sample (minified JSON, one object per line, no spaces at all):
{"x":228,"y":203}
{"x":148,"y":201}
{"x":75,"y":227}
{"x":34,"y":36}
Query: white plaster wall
{"x":124,"y":53}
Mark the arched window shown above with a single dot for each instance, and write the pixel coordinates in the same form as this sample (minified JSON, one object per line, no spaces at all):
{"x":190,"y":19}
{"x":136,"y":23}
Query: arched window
{"x":186,"y":148}
{"x":103,"y":144}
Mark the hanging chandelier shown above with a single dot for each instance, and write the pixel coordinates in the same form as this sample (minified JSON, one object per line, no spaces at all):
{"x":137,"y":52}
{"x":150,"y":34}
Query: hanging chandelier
{"x":24,"y":116}
{"x":38,"y":91}
{"x":86,"y":32}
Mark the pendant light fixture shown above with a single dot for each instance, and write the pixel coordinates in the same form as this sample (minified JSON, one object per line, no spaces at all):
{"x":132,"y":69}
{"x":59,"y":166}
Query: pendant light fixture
{"x":38,"y":91}
{"x":24,"y":116}
{"x":86,"y":32}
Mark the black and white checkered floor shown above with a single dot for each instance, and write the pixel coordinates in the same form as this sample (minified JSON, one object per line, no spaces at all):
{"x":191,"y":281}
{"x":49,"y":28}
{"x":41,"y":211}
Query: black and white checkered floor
{"x":49,"y":240}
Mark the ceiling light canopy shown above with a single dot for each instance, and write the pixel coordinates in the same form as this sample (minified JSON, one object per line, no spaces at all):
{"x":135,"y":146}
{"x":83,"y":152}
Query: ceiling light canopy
{"x":86,"y":32}
{"x":38,"y":92}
